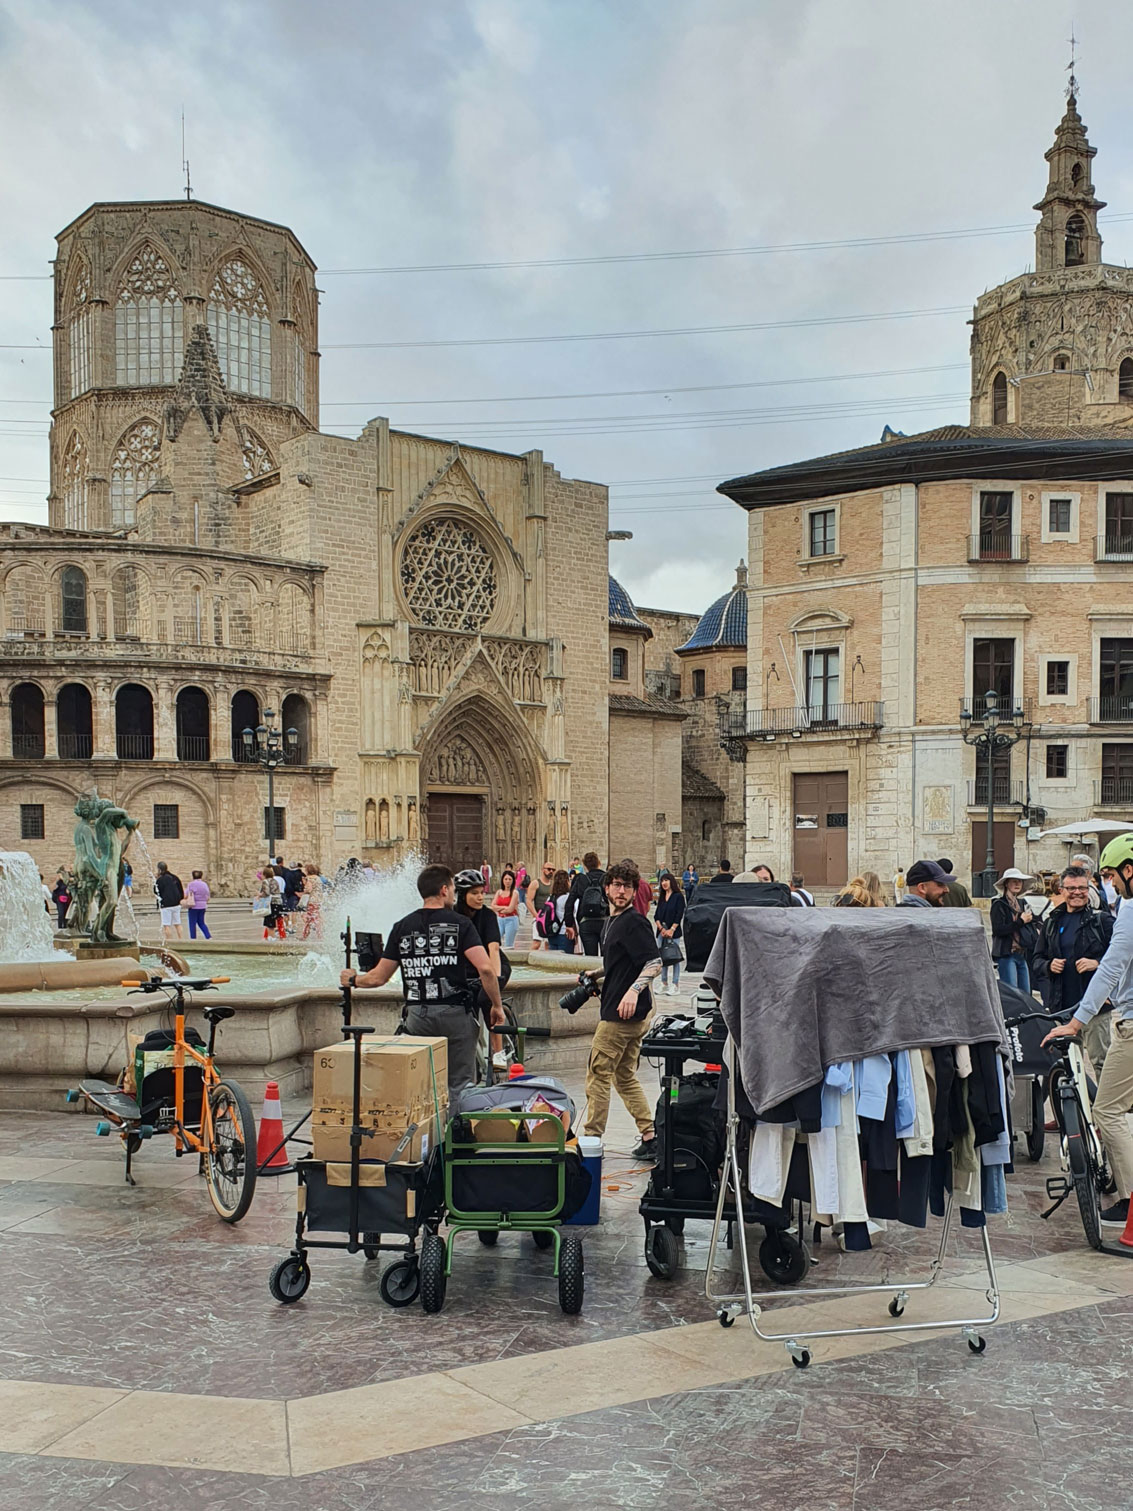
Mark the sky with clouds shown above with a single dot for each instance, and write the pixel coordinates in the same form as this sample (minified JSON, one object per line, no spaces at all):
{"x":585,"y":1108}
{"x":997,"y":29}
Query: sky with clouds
{"x":391,"y":134}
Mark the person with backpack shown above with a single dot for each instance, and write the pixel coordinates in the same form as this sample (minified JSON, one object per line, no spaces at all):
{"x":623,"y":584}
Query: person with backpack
{"x":551,"y":922}
{"x":587,"y":908}
{"x":61,"y":897}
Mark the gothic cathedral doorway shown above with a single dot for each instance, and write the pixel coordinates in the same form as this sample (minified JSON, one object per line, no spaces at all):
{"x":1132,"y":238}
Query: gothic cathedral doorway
{"x":456,"y":830}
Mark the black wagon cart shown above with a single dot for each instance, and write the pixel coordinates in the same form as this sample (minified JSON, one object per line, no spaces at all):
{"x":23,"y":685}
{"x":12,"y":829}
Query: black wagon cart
{"x":366,"y":1202}
{"x":685,"y":1182}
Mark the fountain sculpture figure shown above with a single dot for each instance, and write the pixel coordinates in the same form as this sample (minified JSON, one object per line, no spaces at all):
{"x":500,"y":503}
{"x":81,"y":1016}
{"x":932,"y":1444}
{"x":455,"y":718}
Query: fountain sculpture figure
{"x":100,"y":863}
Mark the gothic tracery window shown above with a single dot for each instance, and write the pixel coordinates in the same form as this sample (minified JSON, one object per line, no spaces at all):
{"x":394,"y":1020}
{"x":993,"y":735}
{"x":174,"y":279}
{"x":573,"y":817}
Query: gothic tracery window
{"x":240,"y":329}
{"x":133,"y":469}
{"x":449,"y":576}
{"x":75,"y":483}
{"x":79,"y":330}
{"x":148,"y":322}
{"x":257,"y":458}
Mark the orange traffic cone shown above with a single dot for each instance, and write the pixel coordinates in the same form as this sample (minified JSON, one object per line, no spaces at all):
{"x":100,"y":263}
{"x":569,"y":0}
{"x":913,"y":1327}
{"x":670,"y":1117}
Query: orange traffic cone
{"x":1127,"y":1237}
{"x":271,"y":1141}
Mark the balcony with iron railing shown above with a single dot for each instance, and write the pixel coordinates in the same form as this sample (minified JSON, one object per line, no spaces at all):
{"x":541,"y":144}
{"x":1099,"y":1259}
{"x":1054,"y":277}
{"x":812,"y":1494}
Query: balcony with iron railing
{"x":1006,"y":705}
{"x":1112,"y":708}
{"x":1005,"y":791}
{"x":28,"y":747}
{"x":1114,"y":545}
{"x":833,"y":718}
{"x":134,"y":747}
{"x":1114,"y":792}
{"x":74,"y":746}
{"x":193,"y":748}
{"x":999,"y":548}
{"x":26,"y":627}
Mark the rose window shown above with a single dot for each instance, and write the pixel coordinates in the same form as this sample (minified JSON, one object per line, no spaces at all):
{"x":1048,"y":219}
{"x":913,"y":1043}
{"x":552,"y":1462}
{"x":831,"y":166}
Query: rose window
{"x":449,"y":576}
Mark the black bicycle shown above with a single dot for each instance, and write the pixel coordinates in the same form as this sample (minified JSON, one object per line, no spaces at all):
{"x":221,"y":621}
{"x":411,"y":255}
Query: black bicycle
{"x":1071,"y":1093}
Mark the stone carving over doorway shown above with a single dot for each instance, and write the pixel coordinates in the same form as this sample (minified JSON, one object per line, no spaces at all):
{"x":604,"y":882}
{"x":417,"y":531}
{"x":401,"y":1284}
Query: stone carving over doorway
{"x":456,"y":765}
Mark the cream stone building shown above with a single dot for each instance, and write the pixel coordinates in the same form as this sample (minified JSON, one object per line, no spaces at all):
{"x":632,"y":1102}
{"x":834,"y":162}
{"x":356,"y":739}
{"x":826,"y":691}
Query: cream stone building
{"x":428,"y":618}
{"x":894,"y":587}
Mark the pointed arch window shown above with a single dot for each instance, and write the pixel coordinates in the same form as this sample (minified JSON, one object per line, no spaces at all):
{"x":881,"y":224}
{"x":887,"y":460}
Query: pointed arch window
{"x":999,"y":399}
{"x":149,"y":323}
{"x":75,"y":483}
{"x":240,"y":329}
{"x":1125,"y":381}
{"x":133,"y":469}
{"x":80,"y":330}
{"x":258,"y":460}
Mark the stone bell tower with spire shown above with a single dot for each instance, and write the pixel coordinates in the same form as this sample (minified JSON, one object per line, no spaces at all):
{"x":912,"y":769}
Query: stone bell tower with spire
{"x":1055,"y":346}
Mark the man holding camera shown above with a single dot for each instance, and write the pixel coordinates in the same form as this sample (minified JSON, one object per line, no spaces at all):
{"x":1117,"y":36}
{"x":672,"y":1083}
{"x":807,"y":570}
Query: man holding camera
{"x":630,"y":961}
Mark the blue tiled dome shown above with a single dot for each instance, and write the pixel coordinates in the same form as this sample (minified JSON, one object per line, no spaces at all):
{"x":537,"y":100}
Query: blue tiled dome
{"x":622,"y":611}
{"x":724,"y":623}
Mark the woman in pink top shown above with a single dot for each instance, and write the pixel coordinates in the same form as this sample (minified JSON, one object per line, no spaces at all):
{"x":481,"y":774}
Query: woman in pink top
{"x":198,"y":895}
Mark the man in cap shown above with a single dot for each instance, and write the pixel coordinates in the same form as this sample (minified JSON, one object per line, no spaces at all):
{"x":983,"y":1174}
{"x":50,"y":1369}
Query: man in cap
{"x":925,"y":885}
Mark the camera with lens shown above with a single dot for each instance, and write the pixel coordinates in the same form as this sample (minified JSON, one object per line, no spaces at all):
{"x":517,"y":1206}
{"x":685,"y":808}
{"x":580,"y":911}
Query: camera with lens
{"x":588,"y":986}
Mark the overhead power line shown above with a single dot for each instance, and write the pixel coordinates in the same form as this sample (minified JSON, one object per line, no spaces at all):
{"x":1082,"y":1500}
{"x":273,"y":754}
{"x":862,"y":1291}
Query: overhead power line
{"x":683,"y":330}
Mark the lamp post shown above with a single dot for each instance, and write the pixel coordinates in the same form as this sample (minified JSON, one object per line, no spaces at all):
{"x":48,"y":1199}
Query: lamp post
{"x":270,"y":747}
{"x":997,"y":730}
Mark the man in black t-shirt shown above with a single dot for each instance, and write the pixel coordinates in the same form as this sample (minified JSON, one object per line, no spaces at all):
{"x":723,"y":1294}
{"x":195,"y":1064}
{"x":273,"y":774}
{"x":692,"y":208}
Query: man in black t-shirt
{"x":432,"y":947}
{"x":631,"y":960}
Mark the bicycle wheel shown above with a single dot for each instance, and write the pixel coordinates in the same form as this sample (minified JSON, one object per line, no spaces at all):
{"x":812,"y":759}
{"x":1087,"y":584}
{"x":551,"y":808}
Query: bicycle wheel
{"x":230,"y":1159}
{"x":1083,"y":1168}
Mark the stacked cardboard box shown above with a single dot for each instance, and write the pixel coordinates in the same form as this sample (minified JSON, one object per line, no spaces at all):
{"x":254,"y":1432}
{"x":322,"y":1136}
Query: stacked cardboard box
{"x":404,"y":1083}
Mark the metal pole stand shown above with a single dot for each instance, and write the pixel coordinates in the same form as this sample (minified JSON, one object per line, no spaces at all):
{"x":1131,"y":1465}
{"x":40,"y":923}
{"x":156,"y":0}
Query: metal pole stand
{"x":729,"y":1306}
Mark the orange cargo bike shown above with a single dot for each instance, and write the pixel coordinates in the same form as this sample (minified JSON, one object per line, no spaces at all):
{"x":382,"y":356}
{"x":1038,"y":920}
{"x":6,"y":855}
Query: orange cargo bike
{"x":178,"y":1090}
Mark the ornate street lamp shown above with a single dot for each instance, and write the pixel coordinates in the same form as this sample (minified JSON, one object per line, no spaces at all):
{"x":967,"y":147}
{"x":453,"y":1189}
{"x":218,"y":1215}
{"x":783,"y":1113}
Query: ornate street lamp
{"x":997,"y":730}
{"x":271,"y":747}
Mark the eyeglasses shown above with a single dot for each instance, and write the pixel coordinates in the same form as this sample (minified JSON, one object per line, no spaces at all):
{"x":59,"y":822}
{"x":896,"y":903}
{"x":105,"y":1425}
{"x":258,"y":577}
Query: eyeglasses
{"x":1076,"y":891}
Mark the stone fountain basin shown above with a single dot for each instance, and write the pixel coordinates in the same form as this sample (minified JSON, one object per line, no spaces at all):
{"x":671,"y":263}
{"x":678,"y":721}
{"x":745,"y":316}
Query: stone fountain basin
{"x":61,"y":975}
{"x":46,"y":1047}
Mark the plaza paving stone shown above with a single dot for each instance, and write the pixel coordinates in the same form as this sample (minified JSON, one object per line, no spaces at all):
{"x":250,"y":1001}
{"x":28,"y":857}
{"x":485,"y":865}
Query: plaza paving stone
{"x":143,"y":1362}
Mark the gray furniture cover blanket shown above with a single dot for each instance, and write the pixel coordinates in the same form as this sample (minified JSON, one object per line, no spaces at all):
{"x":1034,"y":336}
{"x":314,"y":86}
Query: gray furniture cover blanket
{"x":803,"y":988}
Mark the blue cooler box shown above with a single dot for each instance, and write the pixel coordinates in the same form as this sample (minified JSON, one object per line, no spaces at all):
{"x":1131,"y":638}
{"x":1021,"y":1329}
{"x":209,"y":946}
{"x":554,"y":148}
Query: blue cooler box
{"x":590,"y":1151}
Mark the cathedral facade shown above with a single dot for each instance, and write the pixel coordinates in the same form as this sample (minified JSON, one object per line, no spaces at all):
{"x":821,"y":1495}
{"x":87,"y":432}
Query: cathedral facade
{"x":424,"y":622}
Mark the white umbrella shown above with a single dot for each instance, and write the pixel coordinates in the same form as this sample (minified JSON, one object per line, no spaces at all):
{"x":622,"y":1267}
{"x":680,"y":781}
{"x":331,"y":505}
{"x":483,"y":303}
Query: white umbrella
{"x":1089,"y":826}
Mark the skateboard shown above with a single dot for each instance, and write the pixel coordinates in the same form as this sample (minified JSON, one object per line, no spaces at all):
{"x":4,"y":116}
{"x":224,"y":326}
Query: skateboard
{"x":123,"y":1111}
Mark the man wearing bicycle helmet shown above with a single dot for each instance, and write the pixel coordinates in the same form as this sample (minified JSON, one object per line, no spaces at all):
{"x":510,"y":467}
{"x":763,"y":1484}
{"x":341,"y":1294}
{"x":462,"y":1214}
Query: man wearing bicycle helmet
{"x":1113,"y":980}
{"x":470,"y":904}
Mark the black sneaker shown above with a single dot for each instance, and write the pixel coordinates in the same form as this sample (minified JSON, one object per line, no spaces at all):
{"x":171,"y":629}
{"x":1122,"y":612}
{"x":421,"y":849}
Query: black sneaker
{"x":1118,"y":1213}
{"x":647,"y":1150}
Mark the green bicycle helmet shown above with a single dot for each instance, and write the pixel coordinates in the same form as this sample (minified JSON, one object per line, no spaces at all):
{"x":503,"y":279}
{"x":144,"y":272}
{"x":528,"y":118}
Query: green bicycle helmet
{"x":1116,"y":853}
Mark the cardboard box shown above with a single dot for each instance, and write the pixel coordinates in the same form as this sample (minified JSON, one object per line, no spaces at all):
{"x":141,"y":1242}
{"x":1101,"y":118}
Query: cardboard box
{"x":404,"y":1082}
{"x":331,"y":1142}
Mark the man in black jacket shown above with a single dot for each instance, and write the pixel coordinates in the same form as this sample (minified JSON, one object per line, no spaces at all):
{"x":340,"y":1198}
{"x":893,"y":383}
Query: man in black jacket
{"x":586,"y":906}
{"x":1073,"y":937}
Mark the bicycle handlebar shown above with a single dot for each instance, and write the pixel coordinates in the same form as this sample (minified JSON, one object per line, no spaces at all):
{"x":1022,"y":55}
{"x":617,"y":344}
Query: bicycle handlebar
{"x":1030,"y":1017}
{"x":178,"y":984}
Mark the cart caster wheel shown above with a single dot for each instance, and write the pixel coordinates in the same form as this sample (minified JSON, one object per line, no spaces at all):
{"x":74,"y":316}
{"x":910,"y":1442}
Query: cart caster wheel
{"x":572,"y":1279}
{"x":801,"y":1360}
{"x":661,"y":1253}
{"x":488,"y":1237}
{"x":726,"y":1319}
{"x":543,"y":1239}
{"x":371,"y":1245}
{"x":895,"y":1308}
{"x":289,"y":1279}
{"x":977,"y":1345}
{"x":434,"y":1281}
{"x":675,"y":1225}
{"x":401,"y":1283}
{"x":782,"y":1258}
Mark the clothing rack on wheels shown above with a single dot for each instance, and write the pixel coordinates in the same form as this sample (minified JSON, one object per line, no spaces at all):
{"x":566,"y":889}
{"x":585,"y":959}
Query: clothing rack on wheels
{"x":749,"y":1302}
{"x":806,"y":992}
